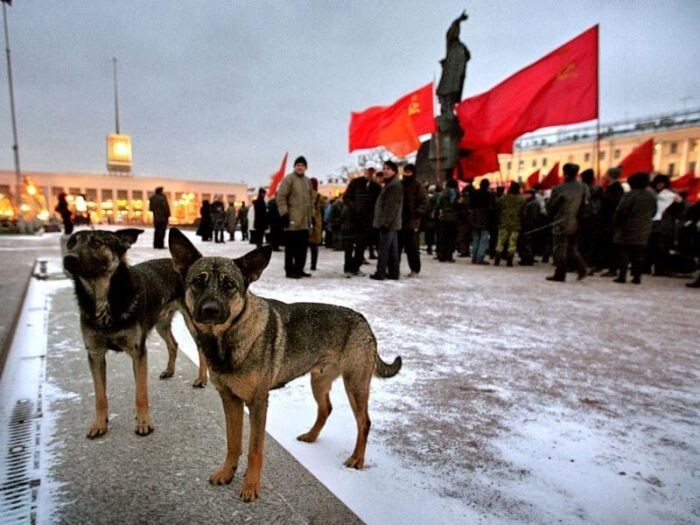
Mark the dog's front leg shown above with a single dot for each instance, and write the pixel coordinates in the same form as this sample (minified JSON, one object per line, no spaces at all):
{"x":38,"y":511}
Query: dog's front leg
{"x":233,"y":410}
{"x":98,"y":369}
{"x":201,"y":379}
{"x":258,"y":415}
{"x":143,"y":414}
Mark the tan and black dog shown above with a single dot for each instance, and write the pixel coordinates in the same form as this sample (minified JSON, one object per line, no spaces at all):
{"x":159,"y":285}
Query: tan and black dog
{"x":119,"y":306}
{"x":253,"y":345}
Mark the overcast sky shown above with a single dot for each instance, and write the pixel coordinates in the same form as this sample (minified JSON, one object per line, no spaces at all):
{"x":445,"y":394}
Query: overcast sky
{"x":220,"y":90}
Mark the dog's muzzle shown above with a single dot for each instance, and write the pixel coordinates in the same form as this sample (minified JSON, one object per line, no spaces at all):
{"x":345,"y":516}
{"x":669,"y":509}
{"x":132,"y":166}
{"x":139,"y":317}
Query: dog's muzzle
{"x":211,"y":312}
{"x":71,"y":263}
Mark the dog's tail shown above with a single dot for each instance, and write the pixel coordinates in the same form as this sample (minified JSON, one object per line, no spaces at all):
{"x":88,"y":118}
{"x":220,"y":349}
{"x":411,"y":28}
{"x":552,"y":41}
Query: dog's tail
{"x":383,"y":369}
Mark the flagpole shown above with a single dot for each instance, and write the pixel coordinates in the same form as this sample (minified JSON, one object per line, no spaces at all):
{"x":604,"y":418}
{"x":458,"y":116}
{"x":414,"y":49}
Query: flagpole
{"x":597,"y":109}
{"x":437,"y":139}
{"x":15,"y":146}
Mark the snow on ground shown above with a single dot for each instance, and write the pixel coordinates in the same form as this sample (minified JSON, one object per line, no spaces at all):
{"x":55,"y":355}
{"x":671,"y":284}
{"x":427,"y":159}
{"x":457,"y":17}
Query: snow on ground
{"x":520,"y":400}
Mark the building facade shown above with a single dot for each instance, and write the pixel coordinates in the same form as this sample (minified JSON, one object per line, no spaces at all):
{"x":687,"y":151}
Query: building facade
{"x":120,"y":199}
{"x":676,"y":152}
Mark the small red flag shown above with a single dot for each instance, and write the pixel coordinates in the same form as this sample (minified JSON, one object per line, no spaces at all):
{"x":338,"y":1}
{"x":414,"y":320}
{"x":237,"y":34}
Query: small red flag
{"x":277,"y":178}
{"x":533,"y":179}
{"x":552,"y":178}
{"x":688,"y":183}
{"x":640,"y":158}
{"x":684,"y":182}
{"x":561,"y":88}
{"x":395,"y":127}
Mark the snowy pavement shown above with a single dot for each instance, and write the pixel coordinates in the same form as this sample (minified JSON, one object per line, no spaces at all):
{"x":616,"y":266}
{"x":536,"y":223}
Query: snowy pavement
{"x":520,"y":400}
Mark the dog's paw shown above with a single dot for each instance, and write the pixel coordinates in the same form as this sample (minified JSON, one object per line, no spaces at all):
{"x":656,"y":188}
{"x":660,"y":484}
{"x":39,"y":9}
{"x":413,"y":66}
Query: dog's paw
{"x":143,"y":428}
{"x":199,"y":383}
{"x":97,"y":430}
{"x":307,"y":438}
{"x":250,"y":490}
{"x":356,"y":463}
{"x":223,"y":476}
{"x":167,"y":374}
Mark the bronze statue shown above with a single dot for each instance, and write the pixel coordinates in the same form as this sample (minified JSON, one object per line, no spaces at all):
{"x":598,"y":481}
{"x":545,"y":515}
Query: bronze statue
{"x":444,"y":145}
{"x":449,"y":90}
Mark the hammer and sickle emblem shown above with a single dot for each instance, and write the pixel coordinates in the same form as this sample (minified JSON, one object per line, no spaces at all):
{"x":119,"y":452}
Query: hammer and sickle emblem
{"x":414,"y":106}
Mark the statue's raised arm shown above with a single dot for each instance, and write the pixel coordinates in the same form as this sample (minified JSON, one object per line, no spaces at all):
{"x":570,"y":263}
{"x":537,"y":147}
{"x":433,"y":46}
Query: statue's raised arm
{"x":454,"y":65}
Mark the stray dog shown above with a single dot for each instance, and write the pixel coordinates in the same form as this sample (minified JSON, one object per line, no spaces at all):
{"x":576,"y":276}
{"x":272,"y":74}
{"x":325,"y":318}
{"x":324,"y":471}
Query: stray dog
{"x":253,"y":345}
{"x":119,"y":306}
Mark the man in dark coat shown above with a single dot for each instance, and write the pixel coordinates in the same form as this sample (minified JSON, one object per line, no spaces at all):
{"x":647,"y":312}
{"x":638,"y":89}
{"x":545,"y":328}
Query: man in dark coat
{"x":632,"y":226}
{"x":260,"y":221}
{"x":464,"y":227}
{"x":242,"y":219}
{"x":359,"y":198}
{"x":446,"y":216}
{"x":589,"y":218}
{"x":612,"y":194}
{"x":563,"y":208}
{"x":158,"y":204}
{"x":529,"y":221}
{"x":483,"y":209}
{"x":387,"y":219}
{"x":415,"y":204}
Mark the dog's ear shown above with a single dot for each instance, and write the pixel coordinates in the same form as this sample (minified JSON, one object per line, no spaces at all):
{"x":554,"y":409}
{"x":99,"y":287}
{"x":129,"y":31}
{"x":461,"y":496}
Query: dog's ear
{"x":183,"y":251}
{"x":253,"y":263}
{"x":128,"y":236}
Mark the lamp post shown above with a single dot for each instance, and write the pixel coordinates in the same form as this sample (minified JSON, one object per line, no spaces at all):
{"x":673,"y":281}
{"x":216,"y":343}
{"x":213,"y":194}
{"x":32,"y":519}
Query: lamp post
{"x":15,"y":146}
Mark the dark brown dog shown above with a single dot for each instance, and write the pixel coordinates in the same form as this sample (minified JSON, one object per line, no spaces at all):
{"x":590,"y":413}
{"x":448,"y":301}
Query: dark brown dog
{"x":253,"y":345}
{"x":119,"y":306}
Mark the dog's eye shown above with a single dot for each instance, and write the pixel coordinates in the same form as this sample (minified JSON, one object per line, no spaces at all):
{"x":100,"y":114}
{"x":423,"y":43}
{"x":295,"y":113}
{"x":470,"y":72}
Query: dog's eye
{"x":200,"y":280}
{"x":227,"y":284}
{"x":71,"y":243}
{"x":95,"y":242}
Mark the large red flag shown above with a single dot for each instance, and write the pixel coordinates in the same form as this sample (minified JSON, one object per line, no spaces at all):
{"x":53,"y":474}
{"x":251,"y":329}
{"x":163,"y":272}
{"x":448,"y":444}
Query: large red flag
{"x":640,"y":158}
{"x":277,"y":178}
{"x":478,"y":162}
{"x":552,"y":178}
{"x":533,"y":179}
{"x":561,"y":88}
{"x":395,"y":127}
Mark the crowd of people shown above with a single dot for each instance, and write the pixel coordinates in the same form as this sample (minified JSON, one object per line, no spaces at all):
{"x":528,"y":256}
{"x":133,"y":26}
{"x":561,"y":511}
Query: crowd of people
{"x":615,"y":228}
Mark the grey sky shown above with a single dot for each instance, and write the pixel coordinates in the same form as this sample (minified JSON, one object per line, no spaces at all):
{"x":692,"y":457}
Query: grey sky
{"x":219,"y":90}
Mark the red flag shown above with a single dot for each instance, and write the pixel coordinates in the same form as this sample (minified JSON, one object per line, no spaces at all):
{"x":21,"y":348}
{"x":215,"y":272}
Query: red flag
{"x":640,"y":158}
{"x":561,"y":88}
{"x":478,"y":162}
{"x":552,"y":178}
{"x":533,"y":179}
{"x":684,"y":182}
{"x":688,"y":183}
{"x":277,"y":178}
{"x":395,"y":127}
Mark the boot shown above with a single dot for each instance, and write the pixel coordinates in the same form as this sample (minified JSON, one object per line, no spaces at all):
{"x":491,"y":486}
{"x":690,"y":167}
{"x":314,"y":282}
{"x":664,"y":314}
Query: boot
{"x":509,"y":261}
{"x":497,"y":260}
{"x":559,"y":276}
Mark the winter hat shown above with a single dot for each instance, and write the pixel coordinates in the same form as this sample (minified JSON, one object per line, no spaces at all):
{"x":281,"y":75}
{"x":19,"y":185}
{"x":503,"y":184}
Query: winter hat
{"x":639,"y":181}
{"x":301,"y":160}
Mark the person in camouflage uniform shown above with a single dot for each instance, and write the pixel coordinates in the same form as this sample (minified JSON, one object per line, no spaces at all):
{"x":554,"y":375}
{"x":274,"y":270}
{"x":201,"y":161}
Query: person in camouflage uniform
{"x":509,"y":212}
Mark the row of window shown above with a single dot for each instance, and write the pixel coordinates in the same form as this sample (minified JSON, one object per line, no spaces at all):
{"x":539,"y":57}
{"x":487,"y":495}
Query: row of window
{"x":108,"y":194}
